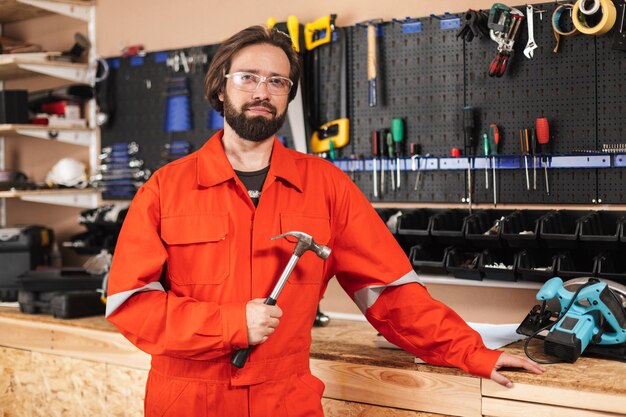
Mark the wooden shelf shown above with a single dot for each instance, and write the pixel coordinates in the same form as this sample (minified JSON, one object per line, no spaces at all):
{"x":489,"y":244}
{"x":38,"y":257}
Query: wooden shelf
{"x":15,"y":66}
{"x":15,"y":11}
{"x":487,"y":206}
{"x":85,"y":198}
{"x":81,"y":136}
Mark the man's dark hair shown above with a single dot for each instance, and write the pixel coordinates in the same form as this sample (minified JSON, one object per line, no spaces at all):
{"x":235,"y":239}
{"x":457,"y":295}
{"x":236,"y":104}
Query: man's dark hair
{"x":214,"y":82}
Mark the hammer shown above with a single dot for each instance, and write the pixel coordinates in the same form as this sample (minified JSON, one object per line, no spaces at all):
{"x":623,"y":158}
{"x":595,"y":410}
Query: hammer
{"x":305,"y":243}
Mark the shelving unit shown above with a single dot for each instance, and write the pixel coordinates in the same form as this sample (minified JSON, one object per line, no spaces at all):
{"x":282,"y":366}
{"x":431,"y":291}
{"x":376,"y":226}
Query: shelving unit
{"x":17,"y":66}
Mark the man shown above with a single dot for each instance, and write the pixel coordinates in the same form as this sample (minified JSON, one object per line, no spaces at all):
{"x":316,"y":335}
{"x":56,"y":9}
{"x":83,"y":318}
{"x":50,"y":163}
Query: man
{"x":194,"y":260}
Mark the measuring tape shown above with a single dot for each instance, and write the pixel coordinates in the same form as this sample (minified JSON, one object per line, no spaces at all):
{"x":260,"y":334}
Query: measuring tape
{"x":609,"y":15}
{"x":556,"y":17}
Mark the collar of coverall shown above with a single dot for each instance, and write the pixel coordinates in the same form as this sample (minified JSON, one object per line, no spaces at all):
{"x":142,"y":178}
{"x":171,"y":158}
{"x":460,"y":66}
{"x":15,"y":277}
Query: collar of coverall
{"x":214,"y":168}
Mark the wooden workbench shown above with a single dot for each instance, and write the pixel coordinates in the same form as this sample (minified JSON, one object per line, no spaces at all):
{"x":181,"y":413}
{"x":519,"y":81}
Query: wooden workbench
{"x":83,"y":367}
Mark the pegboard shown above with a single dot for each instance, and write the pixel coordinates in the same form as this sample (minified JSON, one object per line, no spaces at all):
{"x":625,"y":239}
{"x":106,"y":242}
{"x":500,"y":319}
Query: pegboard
{"x":140,"y":90}
{"x":426,"y":78}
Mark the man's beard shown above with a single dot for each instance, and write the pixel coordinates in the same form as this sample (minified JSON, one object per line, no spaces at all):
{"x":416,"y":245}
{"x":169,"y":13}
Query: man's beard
{"x":255,"y":128}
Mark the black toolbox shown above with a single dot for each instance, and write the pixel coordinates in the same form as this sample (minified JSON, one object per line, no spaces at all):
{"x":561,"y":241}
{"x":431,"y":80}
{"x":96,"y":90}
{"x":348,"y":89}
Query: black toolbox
{"x":64,"y":293}
{"x":22,"y":249}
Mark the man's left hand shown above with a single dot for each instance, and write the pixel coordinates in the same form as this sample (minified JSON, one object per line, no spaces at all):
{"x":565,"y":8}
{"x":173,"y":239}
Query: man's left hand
{"x":509,"y":361}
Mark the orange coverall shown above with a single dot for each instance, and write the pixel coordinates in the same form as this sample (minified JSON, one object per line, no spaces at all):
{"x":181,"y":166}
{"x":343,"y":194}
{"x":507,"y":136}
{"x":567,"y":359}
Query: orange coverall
{"x":193,"y":251}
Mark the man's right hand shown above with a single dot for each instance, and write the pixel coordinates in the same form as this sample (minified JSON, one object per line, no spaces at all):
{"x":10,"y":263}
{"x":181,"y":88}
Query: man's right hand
{"x":262,"y":320}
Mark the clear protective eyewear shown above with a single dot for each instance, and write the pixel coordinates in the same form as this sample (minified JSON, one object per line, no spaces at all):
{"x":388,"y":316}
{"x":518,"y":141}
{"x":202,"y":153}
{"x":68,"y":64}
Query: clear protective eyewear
{"x":249,"y":82}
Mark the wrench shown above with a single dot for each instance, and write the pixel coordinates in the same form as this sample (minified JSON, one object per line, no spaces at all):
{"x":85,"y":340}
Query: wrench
{"x":531,"y":45}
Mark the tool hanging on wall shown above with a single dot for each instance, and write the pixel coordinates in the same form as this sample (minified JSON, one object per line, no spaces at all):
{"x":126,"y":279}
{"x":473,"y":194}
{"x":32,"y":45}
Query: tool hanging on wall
{"x":470,"y":148}
{"x":474,"y":25}
{"x":397,"y":133}
{"x":543,"y":138}
{"x":557,"y":24}
{"x":531,"y":45}
{"x":504,"y":23}
{"x":494,"y":141}
{"x":607,"y":11}
{"x":336,"y":131}
{"x":375,"y":155}
{"x":372,"y":60}
{"x":295,"y":112}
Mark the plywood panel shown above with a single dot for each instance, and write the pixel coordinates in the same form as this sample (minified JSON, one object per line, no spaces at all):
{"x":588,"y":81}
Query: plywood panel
{"x":558,"y":396}
{"x":106,"y":347}
{"x":455,"y":395}
{"x":336,"y":408}
{"x":494,"y":407}
{"x":125,"y":391}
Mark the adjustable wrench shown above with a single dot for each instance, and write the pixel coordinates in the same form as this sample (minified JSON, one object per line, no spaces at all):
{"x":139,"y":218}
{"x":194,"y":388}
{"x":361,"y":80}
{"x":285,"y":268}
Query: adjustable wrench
{"x":531,"y":45}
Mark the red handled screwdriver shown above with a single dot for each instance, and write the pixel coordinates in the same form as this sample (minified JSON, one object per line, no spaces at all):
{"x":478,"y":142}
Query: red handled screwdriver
{"x":543,"y":138}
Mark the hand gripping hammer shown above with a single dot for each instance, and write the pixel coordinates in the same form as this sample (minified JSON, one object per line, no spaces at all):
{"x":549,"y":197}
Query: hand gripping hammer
{"x":305,"y":243}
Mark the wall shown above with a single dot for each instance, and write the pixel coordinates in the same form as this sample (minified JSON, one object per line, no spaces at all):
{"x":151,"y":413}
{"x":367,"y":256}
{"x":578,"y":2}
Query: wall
{"x":164,"y":24}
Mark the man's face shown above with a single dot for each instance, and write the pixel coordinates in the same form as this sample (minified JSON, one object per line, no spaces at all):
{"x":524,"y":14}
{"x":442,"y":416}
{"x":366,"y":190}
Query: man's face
{"x":256,"y":115}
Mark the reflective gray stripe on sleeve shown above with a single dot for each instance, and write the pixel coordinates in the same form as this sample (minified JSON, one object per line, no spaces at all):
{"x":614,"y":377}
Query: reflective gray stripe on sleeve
{"x":116,"y":300}
{"x":366,"y":297}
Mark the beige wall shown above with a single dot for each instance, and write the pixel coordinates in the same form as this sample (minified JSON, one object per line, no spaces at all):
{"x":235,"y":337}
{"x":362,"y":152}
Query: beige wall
{"x":166,"y":24}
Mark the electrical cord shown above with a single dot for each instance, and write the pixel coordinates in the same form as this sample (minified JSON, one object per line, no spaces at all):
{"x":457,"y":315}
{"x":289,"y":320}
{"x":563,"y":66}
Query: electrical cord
{"x":550,"y":325}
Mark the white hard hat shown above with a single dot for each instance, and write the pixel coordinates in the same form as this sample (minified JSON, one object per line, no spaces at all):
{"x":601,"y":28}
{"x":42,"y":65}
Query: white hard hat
{"x":68,"y":172}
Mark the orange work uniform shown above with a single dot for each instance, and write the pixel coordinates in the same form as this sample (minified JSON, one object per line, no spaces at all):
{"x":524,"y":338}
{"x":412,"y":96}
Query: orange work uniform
{"x":194,"y":250}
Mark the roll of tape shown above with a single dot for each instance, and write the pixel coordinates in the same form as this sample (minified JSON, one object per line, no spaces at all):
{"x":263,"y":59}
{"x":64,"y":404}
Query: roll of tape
{"x":595,"y":6}
{"x":556,"y":18}
{"x":609,"y":15}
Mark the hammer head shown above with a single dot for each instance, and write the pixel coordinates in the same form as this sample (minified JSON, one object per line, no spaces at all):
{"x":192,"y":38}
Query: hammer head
{"x":305,"y":243}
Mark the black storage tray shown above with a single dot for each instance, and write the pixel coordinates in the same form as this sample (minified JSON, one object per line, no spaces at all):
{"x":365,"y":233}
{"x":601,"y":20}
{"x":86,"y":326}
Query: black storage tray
{"x":601,"y":226}
{"x":560,"y":229}
{"x":575,"y":264}
{"x":429,"y":259}
{"x":415,"y":225}
{"x":611,"y":265}
{"x":448,"y":226}
{"x":66,"y":279}
{"x":483,"y":228}
{"x":457,"y":262}
{"x":520,"y":229}
{"x":531,"y":264}
{"x":491,"y":257}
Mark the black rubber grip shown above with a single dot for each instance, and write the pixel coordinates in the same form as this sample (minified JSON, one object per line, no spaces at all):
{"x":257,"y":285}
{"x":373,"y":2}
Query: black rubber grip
{"x":241,"y":356}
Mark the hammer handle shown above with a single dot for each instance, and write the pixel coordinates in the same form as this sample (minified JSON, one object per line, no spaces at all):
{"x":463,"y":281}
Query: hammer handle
{"x":241,"y":356}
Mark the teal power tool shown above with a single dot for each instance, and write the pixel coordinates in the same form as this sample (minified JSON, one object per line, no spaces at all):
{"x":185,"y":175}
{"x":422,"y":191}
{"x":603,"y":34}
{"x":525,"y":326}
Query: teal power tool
{"x":591,"y":319}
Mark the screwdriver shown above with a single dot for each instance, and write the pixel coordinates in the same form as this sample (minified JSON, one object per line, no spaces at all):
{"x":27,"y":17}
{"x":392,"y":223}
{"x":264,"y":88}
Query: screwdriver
{"x":397,"y":133}
{"x":390,"y":148}
{"x":414,"y":151}
{"x":533,"y":149}
{"x":486,"y":150}
{"x":494,"y":140}
{"x":524,"y":151}
{"x":470,"y":147}
{"x":375,"y":154}
{"x":543,"y":137}
{"x":381,"y":152}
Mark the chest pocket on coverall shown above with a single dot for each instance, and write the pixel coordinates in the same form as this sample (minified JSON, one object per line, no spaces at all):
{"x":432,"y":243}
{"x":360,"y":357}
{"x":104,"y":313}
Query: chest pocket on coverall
{"x":310,"y":267}
{"x":198,"y":248}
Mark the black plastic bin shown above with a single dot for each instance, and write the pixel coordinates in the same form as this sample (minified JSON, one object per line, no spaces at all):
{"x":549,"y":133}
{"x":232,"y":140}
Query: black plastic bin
{"x":611,"y":265}
{"x":560,"y":229}
{"x":490,"y":258}
{"x":429,"y":259}
{"x":462,"y":262}
{"x":536,"y":265}
{"x":448,"y":226}
{"x":575,"y":264}
{"x":601,"y":227}
{"x":520,"y":229}
{"x":483,"y":228}
{"x":414,"y":226}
